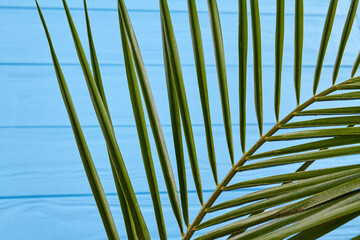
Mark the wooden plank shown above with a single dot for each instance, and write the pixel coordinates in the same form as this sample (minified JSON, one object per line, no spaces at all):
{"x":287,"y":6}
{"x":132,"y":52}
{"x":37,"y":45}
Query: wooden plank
{"x":23,"y":40}
{"x":33,"y":98}
{"x":45,"y":161}
{"x":266,"y":6}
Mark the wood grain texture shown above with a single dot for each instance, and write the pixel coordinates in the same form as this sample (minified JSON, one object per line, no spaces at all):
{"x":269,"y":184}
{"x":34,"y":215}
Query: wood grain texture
{"x":50,"y":192}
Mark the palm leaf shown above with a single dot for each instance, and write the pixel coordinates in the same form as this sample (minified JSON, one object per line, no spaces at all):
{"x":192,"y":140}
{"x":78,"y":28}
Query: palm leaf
{"x":129,"y":222}
{"x":243,"y":49}
{"x":180,"y":90}
{"x":84,"y":152}
{"x":152,"y":114}
{"x":324,"y":42}
{"x":201,"y":74}
{"x":221,"y":70}
{"x":284,"y":204}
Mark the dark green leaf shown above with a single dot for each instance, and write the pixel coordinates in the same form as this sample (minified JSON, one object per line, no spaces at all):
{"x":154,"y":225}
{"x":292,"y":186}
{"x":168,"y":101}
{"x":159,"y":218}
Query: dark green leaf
{"x":289,"y":177}
{"x":333,"y":142}
{"x":256,"y":35}
{"x":129,"y":223}
{"x":334,"y":121}
{"x":341,"y":96}
{"x":201,"y":75}
{"x":109,"y":135}
{"x":176,"y":129}
{"x":85,"y":155}
{"x":330,"y":132}
{"x":330,"y":111}
{"x":356,"y":65}
{"x":153,"y":115}
{"x":308,"y":156}
{"x":180,"y":90}
{"x":344,"y":37}
{"x":298,"y":46}
{"x":243,"y":49}
{"x":279,"y":48}
{"x":142,"y":131}
{"x":221,"y":70}
{"x":324,"y":41}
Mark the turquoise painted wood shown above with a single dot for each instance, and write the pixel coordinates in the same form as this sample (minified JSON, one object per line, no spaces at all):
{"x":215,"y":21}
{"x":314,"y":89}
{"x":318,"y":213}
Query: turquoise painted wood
{"x":44,"y":193}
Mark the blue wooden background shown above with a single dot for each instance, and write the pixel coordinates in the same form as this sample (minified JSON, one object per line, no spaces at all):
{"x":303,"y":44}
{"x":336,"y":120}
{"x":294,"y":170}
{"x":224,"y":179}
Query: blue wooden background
{"x":44,"y":193}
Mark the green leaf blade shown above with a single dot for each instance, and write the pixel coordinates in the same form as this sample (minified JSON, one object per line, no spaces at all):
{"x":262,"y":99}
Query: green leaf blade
{"x":152,"y":114}
{"x":180,"y":90}
{"x":221,"y":71}
{"x":91,"y":173}
{"x":344,"y":37}
{"x":142,"y":132}
{"x":256,"y":33}
{"x":298,"y":46}
{"x":243,"y":49}
{"x":176,"y":129}
{"x":279,"y":48}
{"x":324,"y":42}
{"x":355,"y":65}
{"x":201,"y":76}
{"x":109,"y":136}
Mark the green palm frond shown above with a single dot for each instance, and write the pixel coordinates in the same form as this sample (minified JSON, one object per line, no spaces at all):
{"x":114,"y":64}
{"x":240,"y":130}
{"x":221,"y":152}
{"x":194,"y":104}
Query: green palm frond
{"x":285,"y":199}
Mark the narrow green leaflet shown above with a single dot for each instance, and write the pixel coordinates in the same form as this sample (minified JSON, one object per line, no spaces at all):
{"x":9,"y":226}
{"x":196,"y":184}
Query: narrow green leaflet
{"x":142,"y":132}
{"x":331,"y":132}
{"x":340,"y":96}
{"x":152,"y":114}
{"x":315,"y":220}
{"x":330,"y":16}
{"x":256,"y":35}
{"x":129,"y":223}
{"x":344,"y":37}
{"x":84,"y":152}
{"x":330,"y":111}
{"x":245,"y":223}
{"x":273,"y":191}
{"x":356,"y":65}
{"x":279,"y":49}
{"x":308,"y":156}
{"x":321,"y":230}
{"x":201,"y":75}
{"x":289,"y":177}
{"x":334,"y":121}
{"x":348,"y":182}
{"x":298,"y":46}
{"x":109,"y":136}
{"x":258,"y":231}
{"x":243,"y":49}
{"x":221,"y":71}
{"x":333,"y":142}
{"x":180,"y":90}
{"x":176,"y":129}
